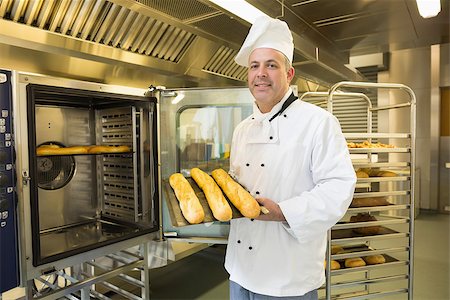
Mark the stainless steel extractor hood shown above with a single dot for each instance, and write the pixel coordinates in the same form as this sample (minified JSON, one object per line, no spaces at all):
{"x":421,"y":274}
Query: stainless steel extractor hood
{"x":173,"y":43}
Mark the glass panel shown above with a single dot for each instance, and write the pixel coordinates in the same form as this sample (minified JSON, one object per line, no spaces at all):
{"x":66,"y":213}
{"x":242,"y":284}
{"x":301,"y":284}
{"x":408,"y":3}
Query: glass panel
{"x":205,"y":134}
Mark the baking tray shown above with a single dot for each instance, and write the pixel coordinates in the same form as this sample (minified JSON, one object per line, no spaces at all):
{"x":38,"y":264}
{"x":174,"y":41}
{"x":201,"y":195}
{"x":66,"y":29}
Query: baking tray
{"x":177,"y":217}
{"x":358,"y":248}
{"x":350,"y":233}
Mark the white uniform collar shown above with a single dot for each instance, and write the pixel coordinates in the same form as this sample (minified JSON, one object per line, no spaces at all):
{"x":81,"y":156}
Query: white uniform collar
{"x":259,"y":116}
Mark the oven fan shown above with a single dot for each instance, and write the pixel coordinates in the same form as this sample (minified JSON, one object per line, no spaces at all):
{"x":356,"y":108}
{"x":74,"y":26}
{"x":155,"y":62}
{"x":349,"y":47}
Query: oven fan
{"x":54,"y":172}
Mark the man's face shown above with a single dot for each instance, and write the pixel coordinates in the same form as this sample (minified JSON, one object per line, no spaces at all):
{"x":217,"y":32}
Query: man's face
{"x":268,"y":79}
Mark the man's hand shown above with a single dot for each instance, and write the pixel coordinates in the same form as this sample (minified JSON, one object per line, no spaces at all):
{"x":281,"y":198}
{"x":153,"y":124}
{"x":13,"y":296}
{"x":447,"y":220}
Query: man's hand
{"x":275,"y":213}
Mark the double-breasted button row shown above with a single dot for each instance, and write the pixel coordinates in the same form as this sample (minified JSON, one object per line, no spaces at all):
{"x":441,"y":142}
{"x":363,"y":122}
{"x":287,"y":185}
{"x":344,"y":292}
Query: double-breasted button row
{"x":249,"y":248}
{"x":248,"y":165}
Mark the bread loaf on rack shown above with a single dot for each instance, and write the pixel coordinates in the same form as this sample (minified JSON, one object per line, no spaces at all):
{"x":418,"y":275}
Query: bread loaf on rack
{"x":374,"y":259}
{"x":369,"y":202}
{"x":354,"y":262}
{"x":240,"y":198}
{"x":333,"y":264}
{"x":190,"y":206}
{"x":219,"y":206}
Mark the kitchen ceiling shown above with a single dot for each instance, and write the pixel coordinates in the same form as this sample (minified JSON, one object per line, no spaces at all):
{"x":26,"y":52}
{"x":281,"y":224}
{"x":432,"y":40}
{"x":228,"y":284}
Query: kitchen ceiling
{"x":358,"y":27}
{"x":194,"y":41}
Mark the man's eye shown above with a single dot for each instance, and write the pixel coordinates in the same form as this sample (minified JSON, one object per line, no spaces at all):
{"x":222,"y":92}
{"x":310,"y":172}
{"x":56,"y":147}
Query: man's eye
{"x":272,"y":66}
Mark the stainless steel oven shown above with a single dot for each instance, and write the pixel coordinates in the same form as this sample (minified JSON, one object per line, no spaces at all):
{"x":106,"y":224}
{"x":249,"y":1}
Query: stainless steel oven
{"x":72,"y":207}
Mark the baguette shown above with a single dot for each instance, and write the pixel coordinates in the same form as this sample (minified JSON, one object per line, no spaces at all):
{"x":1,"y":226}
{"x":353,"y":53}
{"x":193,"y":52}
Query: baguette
{"x":108,"y":149}
{"x":219,"y":206}
{"x":336,"y":249}
{"x":240,"y":198}
{"x":190,"y":206}
{"x":56,"y":150}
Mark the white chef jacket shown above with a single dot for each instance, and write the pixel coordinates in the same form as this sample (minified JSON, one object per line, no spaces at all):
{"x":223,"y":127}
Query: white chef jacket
{"x":299,"y":160}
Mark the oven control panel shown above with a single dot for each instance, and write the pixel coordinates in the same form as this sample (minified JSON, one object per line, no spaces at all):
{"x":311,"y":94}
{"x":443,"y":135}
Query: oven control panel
{"x":9,"y":250}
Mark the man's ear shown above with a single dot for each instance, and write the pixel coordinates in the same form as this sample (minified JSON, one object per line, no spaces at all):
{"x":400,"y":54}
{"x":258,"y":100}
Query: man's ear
{"x":290,"y":74}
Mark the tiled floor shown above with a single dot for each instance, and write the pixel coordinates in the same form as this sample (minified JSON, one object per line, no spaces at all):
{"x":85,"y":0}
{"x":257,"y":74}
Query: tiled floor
{"x":202,"y":276}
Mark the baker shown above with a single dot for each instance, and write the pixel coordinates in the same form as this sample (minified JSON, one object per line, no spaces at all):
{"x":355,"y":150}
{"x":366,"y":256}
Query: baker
{"x":292,"y":156}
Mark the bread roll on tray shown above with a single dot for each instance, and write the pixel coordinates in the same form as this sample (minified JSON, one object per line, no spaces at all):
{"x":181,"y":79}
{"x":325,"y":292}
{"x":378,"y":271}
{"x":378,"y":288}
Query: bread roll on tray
{"x":365,"y":217}
{"x":190,"y":206}
{"x":240,"y":198}
{"x":334,"y":265}
{"x":354,"y":262}
{"x":361,"y":174}
{"x":369,"y":202}
{"x":219,"y":206}
{"x":374,"y":259}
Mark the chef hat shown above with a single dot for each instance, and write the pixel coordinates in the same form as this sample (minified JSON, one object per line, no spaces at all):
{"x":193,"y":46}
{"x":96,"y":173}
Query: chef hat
{"x":266,"y":32}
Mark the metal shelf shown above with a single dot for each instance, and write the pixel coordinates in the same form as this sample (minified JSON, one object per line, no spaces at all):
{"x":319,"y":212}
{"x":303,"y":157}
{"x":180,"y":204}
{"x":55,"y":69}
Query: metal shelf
{"x":377,"y":135}
{"x":369,"y":238}
{"x":344,"y":234}
{"x":381,"y":164}
{"x":379,"y":150}
{"x":378,"y":208}
{"x":383,"y":179}
{"x":381,"y":194}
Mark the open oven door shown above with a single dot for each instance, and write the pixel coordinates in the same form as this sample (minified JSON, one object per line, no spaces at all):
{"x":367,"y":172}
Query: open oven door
{"x":196,"y":128}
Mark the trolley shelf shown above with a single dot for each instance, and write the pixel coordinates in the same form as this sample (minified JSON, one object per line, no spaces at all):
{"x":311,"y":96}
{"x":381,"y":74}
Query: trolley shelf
{"x":352,"y":239}
{"x":365,"y":164}
{"x":374,"y":281}
{"x":377,"y":208}
{"x":344,"y":284}
{"x":378,"y":150}
{"x":381,"y":194}
{"x":377,"y":135}
{"x":383,"y":179}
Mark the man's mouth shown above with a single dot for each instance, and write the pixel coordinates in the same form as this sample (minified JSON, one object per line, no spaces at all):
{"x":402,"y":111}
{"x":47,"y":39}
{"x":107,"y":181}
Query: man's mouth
{"x":262,"y":84}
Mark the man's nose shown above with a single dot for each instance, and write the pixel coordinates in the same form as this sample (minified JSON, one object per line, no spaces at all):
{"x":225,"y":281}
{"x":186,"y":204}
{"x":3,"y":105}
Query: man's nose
{"x":262,"y":72}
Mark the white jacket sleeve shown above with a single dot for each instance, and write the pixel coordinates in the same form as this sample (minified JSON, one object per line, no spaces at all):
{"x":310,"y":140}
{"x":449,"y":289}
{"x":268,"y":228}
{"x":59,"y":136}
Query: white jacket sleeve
{"x":314,"y":212}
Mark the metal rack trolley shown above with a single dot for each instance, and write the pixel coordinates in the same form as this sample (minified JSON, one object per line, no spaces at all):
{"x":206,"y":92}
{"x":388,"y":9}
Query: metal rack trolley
{"x":396,"y":219}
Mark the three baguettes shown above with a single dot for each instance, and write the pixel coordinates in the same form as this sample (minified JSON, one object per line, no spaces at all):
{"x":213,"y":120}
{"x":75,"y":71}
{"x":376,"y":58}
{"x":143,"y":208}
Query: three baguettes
{"x":219,"y":206}
{"x":240,"y":198}
{"x":190,"y":205}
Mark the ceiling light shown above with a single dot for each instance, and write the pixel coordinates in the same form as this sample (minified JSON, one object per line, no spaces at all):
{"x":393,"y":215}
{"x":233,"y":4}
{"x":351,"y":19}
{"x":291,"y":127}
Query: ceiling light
{"x":240,"y":8}
{"x":429,"y":8}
